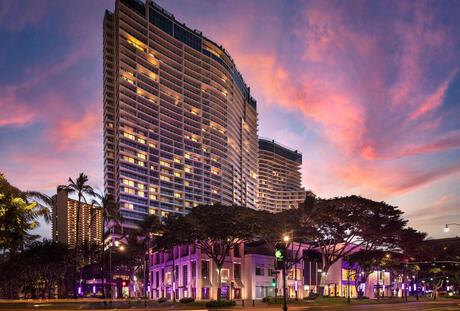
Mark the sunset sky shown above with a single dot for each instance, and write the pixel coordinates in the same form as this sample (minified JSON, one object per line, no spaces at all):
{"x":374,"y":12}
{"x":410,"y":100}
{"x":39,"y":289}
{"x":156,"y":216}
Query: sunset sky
{"x":368,"y":91}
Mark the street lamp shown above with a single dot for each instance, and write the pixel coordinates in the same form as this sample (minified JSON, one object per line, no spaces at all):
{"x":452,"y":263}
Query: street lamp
{"x":115,"y":244}
{"x":286,"y":238}
{"x":447,"y":229}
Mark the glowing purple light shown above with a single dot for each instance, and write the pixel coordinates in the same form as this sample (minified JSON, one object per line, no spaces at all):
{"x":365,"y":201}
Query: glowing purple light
{"x":94,"y":289}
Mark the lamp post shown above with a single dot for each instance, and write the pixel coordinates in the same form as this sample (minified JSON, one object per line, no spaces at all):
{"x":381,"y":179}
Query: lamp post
{"x":447,"y":229}
{"x":112,"y":244}
{"x":286,"y":241}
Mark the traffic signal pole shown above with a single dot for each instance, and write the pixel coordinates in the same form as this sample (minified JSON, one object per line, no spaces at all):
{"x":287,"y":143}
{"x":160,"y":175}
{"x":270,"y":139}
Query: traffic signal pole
{"x":280,"y":262}
{"x":284,"y":286}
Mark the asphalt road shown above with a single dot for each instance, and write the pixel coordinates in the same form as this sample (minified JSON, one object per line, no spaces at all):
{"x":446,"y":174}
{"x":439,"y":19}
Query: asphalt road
{"x":412,"y":306}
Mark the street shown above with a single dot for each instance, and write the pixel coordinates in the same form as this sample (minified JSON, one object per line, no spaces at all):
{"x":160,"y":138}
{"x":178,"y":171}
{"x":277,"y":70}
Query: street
{"x":444,"y":305}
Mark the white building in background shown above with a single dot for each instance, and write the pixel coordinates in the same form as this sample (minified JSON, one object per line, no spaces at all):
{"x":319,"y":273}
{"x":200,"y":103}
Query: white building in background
{"x":248,"y":273}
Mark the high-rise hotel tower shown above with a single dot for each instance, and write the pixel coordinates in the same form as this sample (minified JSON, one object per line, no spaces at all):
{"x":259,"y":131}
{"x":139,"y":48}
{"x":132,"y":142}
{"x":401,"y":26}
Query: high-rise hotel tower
{"x":180,"y":125}
{"x":280,"y":178}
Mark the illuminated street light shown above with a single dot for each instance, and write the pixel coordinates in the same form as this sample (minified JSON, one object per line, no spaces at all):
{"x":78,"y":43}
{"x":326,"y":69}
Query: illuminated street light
{"x":286,"y":238}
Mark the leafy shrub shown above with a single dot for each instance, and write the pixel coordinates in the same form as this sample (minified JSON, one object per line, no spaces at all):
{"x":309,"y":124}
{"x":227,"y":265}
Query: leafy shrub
{"x":266,"y":299}
{"x":220,"y":303}
{"x":162,"y":300}
{"x":311,"y":296}
{"x":187,"y":300}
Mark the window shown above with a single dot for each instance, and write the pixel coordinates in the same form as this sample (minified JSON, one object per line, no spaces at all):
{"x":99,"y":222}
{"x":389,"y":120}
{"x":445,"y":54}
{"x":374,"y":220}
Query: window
{"x":225,"y":275}
{"x":264,"y":291}
{"x":204,"y":269}
{"x":184,"y":275}
{"x":193,"y":269}
{"x":236,"y":251}
{"x":157,"y":279}
{"x":237,"y":271}
{"x":259,"y":271}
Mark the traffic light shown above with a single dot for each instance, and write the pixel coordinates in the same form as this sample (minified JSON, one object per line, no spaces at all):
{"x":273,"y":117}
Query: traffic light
{"x":280,"y":253}
{"x":274,"y":283}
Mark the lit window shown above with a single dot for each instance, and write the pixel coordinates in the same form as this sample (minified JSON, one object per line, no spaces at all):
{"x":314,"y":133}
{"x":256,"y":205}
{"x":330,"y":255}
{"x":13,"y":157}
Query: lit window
{"x":140,"y":193}
{"x":164,"y":163}
{"x":165,"y":178}
{"x":128,"y":135}
{"x":188,"y":170}
{"x":127,"y":79}
{"x":141,"y":155}
{"x":128,"y":182}
{"x":177,"y":174}
{"x":142,"y":141}
{"x":128,"y":205}
{"x":152,"y":145}
{"x":176,"y":160}
{"x":129,"y":159}
{"x":137,"y":46}
{"x":140,"y":186}
{"x":129,"y":190}
{"x":177,"y":195}
{"x":187,"y":156}
{"x":152,"y":189}
{"x":152,"y":197}
{"x":141,"y":163}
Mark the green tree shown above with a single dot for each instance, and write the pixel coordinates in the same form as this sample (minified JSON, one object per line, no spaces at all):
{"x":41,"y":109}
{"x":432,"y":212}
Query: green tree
{"x":110,"y":214}
{"x":81,"y":188}
{"x":46,"y":203}
{"x":18,"y":217}
{"x":345,"y":225}
{"x":217,"y":229}
{"x":176,"y":231}
{"x":147,"y":229}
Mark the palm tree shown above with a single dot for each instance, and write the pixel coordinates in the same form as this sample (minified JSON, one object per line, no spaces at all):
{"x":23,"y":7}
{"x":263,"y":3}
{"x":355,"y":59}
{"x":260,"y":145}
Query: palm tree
{"x":81,"y":188}
{"x":18,"y":217}
{"x":45,"y":203}
{"x":150,"y":226}
{"x":110,"y":213}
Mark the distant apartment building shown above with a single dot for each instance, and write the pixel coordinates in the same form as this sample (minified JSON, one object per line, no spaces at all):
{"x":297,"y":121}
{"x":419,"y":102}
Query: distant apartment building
{"x":180,"y":125}
{"x":64,"y":221}
{"x":248,"y":273}
{"x":280,"y":178}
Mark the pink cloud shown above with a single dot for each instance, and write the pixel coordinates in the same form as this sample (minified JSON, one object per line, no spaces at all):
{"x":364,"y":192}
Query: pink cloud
{"x":15,"y":112}
{"x":434,"y":100}
{"x":341,"y":87}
